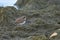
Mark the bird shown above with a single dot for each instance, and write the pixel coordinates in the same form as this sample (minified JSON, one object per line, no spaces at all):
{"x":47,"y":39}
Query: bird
{"x":20,"y":20}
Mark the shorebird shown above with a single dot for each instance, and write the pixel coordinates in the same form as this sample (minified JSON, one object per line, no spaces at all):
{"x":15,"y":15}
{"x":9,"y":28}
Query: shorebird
{"x":20,"y":20}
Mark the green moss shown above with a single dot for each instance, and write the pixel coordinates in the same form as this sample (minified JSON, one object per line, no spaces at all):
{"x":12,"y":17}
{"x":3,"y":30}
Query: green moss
{"x":39,"y":21}
{"x":41,"y":37}
{"x":34,"y":25}
{"x":19,"y":29}
{"x":6,"y":15}
{"x":36,"y":15}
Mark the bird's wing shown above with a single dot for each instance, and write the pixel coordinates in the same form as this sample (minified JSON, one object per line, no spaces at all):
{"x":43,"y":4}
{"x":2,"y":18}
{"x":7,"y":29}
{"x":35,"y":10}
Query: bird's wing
{"x":19,"y":20}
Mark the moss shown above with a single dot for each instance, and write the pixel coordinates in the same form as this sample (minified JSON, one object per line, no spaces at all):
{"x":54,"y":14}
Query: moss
{"x":12,"y":34}
{"x":40,"y":14}
{"x":6,"y":15}
{"x":19,"y":29}
{"x":39,"y":21}
{"x":36,"y":15}
{"x":41,"y":37}
{"x":34,"y":25}
{"x":57,"y":13}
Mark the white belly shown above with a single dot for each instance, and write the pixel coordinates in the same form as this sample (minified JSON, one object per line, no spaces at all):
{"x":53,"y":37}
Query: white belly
{"x":22,"y":23}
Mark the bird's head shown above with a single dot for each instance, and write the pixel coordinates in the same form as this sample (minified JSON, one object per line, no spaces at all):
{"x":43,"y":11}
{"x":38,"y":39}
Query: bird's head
{"x":24,"y":17}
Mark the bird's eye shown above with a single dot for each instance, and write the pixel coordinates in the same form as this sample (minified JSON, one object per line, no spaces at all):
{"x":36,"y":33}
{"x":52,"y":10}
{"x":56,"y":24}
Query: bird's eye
{"x":24,"y":17}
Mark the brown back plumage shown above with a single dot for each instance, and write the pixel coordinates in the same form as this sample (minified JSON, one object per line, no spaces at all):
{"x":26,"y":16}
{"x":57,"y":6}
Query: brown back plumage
{"x":20,"y":19}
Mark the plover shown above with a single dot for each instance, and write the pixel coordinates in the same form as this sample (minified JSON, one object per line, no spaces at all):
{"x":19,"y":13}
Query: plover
{"x":20,"y":20}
